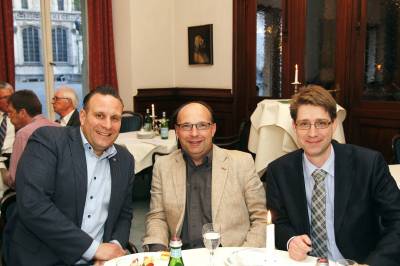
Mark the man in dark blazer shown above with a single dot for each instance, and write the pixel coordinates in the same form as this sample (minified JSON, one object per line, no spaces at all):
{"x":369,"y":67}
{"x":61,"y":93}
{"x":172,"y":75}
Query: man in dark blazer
{"x":362,"y":200}
{"x":65,"y":103}
{"x":74,"y":190}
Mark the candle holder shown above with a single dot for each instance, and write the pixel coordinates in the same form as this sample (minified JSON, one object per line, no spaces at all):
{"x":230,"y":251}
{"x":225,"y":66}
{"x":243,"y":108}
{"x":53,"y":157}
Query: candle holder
{"x":296,"y":86}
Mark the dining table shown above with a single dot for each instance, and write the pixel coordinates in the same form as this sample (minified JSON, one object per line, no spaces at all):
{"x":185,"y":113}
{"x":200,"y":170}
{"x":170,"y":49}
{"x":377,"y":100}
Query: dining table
{"x":143,"y":149}
{"x":223,"y":256}
{"x":272,"y":134}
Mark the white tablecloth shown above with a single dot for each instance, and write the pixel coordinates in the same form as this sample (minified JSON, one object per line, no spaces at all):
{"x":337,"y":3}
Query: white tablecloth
{"x":223,"y":256}
{"x":272,"y":134}
{"x":395,"y":171}
{"x":143,"y":149}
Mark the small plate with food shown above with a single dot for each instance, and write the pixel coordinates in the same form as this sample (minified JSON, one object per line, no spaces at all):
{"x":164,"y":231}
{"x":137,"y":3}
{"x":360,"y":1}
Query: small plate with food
{"x":141,"y":259}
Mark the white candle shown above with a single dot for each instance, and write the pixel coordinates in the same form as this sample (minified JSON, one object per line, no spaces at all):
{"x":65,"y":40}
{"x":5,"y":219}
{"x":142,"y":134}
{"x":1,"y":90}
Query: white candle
{"x":296,"y":73}
{"x":152,"y":110}
{"x":270,"y":243}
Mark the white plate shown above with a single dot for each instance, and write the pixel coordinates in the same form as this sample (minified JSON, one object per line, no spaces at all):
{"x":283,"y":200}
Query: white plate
{"x":246,"y":257}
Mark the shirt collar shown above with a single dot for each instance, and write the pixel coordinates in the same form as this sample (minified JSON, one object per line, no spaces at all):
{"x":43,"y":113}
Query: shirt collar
{"x":206,"y":160}
{"x":328,"y":166}
{"x":64,"y":120}
{"x":108,"y":153}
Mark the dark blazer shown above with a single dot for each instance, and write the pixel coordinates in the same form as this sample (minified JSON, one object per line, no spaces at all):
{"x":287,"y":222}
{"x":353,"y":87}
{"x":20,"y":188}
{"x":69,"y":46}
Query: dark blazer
{"x":74,"y":120}
{"x":51,"y":184}
{"x":367,"y":204}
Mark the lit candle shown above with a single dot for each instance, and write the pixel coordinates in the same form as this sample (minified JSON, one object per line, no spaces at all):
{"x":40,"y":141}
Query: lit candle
{"x":152,"y":111}
{"x":296,"y":73}
{"x":270,"y":243}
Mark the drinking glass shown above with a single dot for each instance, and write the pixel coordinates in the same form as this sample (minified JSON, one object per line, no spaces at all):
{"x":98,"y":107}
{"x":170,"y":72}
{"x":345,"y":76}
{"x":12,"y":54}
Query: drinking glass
{"x":345,"y":262}
{"x":211,"y":239}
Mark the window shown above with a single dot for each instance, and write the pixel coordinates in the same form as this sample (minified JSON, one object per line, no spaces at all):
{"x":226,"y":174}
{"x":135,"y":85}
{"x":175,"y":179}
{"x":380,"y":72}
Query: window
{"x":60,"y":4}
{"x":24,"y":4}
{"x":77,"y":5}
{"x":60,"y":48}
{"x":30,"y":39}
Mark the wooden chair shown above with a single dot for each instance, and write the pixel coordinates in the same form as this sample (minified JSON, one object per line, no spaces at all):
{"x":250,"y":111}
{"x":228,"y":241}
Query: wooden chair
{"x":131,"y":121}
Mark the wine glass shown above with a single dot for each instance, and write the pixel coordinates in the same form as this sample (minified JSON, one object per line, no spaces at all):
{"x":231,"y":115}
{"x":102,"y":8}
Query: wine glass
{"x":345,"y":262}
{"x":211,"y":239}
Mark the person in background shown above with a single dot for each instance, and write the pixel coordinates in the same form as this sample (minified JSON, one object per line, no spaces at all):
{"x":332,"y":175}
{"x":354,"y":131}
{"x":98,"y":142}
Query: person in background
{"x":25,"y":113}
{"x":74,"y":190}
{"x":7,"y":130}
{"x":202,"y":183}
{"x":65,"y":103}
{"x":329,"y":199}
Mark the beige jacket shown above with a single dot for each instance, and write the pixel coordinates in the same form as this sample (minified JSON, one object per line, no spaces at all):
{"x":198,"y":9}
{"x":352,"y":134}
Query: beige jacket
{"x":238,"y":199}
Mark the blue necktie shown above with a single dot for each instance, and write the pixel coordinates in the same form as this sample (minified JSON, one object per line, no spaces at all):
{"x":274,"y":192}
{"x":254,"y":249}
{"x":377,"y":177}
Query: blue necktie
{"x":3,"y":130}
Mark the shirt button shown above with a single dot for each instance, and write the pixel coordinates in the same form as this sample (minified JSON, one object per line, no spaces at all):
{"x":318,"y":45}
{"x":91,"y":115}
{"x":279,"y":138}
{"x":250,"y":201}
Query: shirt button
{"x":89,"y":216}
{"x":90,"y":148}
{"x":91,"y":197}
{"x":94,"y":178}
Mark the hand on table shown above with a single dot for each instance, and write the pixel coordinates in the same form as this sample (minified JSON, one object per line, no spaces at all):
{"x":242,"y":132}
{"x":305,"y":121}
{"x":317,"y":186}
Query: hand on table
{"x":299,"y":246}
{"x":108,"y":251}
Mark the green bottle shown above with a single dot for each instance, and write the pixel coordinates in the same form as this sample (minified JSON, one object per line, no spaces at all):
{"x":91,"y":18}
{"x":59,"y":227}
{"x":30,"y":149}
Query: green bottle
{"x":164,"y":126}
{"x":175,"y":252}
{"x":148,"y":121}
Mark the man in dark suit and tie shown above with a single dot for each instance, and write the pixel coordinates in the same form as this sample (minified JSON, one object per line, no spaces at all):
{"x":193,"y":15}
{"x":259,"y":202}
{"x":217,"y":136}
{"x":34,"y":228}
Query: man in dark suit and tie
{"x":74,"y":190}
{"x":65,"y":103}
{"x":329,"y":199}
{"x":7,"y":130}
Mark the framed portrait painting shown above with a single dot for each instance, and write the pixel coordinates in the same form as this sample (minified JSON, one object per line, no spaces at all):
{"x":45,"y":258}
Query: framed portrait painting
{"x":200,"y":45}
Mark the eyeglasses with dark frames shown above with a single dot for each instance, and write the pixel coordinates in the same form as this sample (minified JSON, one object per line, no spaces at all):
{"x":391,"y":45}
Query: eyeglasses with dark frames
{"x":56,"y":98}
{"x":318,"y":124}
{"x":199,"y":126}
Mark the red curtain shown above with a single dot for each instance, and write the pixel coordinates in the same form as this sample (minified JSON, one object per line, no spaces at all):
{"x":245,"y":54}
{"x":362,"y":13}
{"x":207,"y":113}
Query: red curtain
{"x":7,"y":70}
{"x":102,"y":68}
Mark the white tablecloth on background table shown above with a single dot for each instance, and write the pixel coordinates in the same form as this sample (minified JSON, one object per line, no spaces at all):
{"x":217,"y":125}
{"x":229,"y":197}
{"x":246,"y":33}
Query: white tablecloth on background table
{"x":395,"y":171}
{"x":200,"y":257}
{"x":272,"y":134}
{"x":143,"y":149}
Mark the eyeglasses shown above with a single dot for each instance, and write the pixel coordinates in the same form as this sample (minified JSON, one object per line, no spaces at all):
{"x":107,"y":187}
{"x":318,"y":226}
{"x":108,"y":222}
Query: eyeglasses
{"x":318,"y":124}
{"x":199,"y":126}
{"x":56,"y":98}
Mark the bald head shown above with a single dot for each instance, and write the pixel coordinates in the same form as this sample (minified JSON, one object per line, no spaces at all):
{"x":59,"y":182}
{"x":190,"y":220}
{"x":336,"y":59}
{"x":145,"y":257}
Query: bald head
{"x":202,"y":107}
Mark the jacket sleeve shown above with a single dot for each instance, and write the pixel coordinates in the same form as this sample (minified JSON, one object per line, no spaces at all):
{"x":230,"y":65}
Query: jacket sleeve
{"x":386,"y":198}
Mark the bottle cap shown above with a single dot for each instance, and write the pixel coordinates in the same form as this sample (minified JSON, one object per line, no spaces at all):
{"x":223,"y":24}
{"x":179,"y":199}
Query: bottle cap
{"x":175,"y":242}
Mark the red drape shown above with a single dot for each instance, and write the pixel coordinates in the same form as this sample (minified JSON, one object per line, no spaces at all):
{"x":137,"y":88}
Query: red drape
{"x":7,"y":70}
{"x":102,"y":68}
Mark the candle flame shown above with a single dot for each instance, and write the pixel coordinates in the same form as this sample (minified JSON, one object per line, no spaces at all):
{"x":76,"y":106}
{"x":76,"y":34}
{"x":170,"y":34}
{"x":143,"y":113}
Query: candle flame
{"x":269,"y":220}
{"x":296,"y":67}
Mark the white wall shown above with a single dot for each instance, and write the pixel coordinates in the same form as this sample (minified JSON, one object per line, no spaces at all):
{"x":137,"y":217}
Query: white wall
{"x":151,"y":44}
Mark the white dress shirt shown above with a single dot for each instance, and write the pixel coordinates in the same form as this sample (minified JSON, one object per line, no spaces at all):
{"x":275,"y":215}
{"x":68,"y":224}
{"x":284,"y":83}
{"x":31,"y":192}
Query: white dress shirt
{"x":10,"y":135}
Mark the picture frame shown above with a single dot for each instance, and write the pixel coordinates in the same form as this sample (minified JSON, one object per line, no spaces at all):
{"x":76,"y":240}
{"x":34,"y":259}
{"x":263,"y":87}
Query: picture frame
{"x":200,"y":40}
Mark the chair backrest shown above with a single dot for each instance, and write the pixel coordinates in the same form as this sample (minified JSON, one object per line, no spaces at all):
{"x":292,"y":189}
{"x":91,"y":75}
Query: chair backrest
{"x":396,"y":149}
{"x":131,"y":121}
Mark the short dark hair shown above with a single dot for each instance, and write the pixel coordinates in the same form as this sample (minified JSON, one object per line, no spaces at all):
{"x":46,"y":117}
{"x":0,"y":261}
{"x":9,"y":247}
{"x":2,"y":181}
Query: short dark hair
{"x":103,"y":90}
{"x":176,"y":113}
{"x":313,"y":95}
{"x":26,"y":99}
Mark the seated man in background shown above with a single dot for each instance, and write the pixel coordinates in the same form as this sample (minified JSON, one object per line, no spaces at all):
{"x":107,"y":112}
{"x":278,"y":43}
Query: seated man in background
{"x":329,"y":199}
{"x":7,"y":130}
{"x":65,"y":102}
{"x":74,"y":187}
{"x":202,"y":183}
{"x":25,"y":112}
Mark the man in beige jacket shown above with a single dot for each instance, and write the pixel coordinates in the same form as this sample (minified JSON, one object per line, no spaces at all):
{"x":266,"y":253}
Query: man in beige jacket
{"x":202,"y":183}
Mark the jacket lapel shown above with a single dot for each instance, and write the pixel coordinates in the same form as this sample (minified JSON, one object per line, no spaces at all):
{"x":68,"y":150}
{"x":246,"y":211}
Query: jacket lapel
{"x":219,"y":176}
{"x":80,"y":170}
{"x":179,"y":183}
{"x":343,"y":182}
{"x":296,"y":182}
